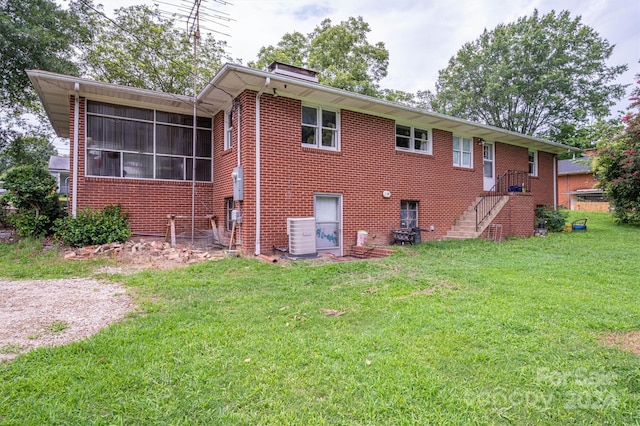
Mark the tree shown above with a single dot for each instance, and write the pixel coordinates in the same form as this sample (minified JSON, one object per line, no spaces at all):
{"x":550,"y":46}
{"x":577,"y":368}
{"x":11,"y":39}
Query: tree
{"x":618,"y":165}
{"x":341,"y":54}
{"x":532,"y":76}
{"x":141,"y":48}
{"x":25,"y":150}
{"x":34,"y":34}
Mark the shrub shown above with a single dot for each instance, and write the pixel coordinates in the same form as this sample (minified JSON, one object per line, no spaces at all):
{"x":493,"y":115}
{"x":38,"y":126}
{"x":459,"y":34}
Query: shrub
{"x":3,"y":212}
{"x":553,"y":220}
{"x":31,"y":190}
{"x":92,"y":227}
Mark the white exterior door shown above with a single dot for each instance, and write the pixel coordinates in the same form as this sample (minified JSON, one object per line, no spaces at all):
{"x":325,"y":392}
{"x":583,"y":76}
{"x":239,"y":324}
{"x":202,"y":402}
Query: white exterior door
{"x":328,"y":213}
{"x":488,"y":166}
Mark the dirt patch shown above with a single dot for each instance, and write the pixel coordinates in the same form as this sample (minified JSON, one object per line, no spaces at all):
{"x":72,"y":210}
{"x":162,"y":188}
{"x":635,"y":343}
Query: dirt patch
{"x":628,"y":341}
{"x":56,"y":312}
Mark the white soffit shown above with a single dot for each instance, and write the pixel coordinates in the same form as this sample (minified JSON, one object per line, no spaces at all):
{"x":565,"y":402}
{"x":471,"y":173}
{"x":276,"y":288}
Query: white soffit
{"x":55,"y":89}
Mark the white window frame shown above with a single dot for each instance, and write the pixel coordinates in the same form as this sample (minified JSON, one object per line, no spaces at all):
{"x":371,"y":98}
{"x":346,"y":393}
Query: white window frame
{"x":461,"y":151}
{"x":228,"y":129}
{"x":413,"y":140}
{"x":405,"y":206}
{"x":319,"y":129}
{"x":533,"y":165}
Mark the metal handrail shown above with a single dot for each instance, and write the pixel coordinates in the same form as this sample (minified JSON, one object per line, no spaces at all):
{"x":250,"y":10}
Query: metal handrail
{"x":509,"y":181}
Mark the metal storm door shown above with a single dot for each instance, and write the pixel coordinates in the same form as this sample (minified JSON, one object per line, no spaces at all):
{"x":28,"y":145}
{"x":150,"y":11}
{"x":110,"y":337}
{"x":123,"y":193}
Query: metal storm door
{"x":328,"y":213}
{"x":488,"y":166}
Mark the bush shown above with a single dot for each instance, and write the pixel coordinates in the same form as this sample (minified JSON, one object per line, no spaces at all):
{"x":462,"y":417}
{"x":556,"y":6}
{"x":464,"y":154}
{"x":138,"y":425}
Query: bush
{"x":553,"y":220}
{"x":93,"y":227}
{"x":29,"y":224}
{"x":31,"y":190}
{"x":3,"y":212}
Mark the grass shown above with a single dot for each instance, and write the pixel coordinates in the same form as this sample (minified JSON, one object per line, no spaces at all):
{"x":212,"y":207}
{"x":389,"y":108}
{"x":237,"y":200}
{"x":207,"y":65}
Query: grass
{"x":27,"y":259}
{"x":469,"y":332}
{"x":57,"y":327}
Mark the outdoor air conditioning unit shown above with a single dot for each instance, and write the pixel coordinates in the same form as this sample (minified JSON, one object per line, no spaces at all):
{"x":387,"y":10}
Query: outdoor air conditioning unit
{"x":302,"y":235}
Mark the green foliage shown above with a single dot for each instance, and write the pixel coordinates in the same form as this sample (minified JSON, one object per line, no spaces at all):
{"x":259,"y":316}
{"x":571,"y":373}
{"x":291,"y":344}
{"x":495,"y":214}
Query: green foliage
{"x":145,"y":49}
{"x":92,"y":227}
{"x":31,"y":190}
{"x":3,"y":212}
{"x":553,"y":220}
{"x":24,"y":150}
{"x":531,"y":76}
{"x":35,"y":34}
{"x":585,"y":137}
{"x":30,"y":224}
{"x":618,"y":165}
{"x":341,"y":53}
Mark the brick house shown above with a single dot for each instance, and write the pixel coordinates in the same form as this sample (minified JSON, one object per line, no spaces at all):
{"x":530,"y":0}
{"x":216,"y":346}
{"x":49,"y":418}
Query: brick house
{"x":296,"y":149}
{"x":577,"y":185}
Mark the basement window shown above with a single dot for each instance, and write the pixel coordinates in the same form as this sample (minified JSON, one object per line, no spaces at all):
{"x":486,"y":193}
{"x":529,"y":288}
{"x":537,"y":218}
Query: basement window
{"x":408,"y":214}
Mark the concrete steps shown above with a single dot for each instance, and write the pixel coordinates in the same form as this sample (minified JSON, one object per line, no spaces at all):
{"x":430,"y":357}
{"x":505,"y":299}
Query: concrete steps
{"x":465,"y":225}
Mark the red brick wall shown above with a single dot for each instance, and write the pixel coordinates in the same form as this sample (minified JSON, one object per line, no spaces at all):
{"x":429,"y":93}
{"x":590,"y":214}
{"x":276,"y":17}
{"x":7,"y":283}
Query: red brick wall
{"x":148,"y":201}
{"x":542,"y":185}
{"x":366,"y":165}
{"x":517,"y":217}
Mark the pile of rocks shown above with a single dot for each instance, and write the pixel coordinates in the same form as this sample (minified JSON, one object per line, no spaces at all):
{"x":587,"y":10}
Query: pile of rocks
{"x":141,"y":251}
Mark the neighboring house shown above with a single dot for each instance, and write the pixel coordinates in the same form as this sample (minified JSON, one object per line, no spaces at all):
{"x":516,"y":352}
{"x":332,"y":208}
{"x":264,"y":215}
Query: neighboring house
{"x":59,"y":169}
{"x":577,"y":185}
{"x":295,"y":149}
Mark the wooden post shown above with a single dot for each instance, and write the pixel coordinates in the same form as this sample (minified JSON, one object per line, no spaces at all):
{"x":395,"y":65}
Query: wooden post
{"x":233,"y":231}
{"x":171,"y":230}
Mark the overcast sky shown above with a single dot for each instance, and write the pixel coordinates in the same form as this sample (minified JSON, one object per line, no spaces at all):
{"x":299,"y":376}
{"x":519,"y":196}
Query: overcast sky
{"x":421,"y":35}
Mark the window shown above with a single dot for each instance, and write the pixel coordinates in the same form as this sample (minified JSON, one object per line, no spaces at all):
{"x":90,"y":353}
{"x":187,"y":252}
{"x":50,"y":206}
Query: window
{"x":409,"y":138}
{"x":228,"y":129}
{"x":228,"y":206}
{"x":462,"y":152}
{"x":320,"y":128}
{"x":408,"y":214}
{"x":141,"y":143}
{"x":533,"y":163}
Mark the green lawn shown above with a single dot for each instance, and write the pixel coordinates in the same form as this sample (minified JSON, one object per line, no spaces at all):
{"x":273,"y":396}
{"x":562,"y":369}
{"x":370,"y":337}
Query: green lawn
{"x":471,"y":332}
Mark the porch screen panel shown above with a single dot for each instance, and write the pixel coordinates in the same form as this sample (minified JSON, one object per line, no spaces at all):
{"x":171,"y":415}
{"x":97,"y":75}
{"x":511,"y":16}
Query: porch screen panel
{"x":138,"y":143}
{"x":170,"y":168}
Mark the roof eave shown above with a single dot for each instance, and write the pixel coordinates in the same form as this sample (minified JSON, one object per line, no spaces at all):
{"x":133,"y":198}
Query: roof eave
{"x":54,"y":91}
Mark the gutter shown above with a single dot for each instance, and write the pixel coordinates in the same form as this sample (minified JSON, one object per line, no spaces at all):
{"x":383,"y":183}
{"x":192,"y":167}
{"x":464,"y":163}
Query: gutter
{"x":76,"y":135}
{"x":266,"y":84}
{"x":555,"y":182}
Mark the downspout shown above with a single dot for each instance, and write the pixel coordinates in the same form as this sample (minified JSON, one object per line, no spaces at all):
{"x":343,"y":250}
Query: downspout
{"x":76,"y":135}
{"x":239,"y":118}
{"x":266,"y":84}
{"x":555,"y":183}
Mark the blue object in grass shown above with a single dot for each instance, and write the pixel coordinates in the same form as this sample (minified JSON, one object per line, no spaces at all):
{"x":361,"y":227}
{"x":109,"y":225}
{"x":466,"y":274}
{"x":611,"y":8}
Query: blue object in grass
{"x":579,"y":225}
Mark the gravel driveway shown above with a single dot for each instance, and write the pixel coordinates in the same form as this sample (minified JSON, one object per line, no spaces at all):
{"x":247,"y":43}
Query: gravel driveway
{"x":56,"y":312}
